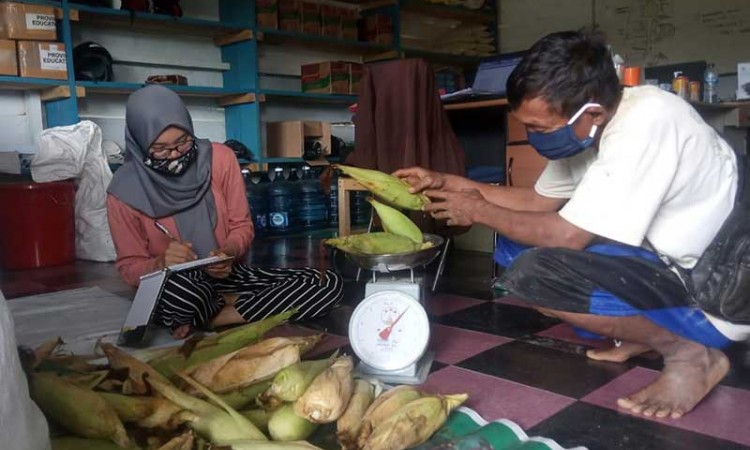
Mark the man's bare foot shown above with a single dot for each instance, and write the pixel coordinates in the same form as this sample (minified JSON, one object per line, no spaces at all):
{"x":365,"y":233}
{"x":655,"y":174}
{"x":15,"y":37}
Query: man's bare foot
{"x":618,"y":354}
{"x":688,"y":376}
{"x":181,"y":332}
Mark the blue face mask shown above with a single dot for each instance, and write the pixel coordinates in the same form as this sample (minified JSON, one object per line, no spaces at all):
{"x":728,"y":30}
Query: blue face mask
{"x":563,"y":142}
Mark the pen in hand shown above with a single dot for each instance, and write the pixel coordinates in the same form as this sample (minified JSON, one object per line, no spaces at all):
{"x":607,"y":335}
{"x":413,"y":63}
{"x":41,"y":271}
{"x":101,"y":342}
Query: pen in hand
{"x":164,"y":230}
{"x":177,"y":251}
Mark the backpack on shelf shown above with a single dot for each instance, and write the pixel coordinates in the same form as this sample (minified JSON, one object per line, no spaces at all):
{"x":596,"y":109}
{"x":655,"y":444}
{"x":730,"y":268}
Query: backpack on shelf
{"x":168,"y":7}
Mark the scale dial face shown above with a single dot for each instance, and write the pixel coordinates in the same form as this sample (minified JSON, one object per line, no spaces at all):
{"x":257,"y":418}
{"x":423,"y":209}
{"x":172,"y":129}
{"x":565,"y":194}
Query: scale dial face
{"x":389,"y":330}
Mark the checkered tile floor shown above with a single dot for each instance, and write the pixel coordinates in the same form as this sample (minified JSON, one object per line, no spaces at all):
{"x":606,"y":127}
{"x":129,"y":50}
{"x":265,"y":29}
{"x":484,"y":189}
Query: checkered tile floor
{"x":514,"y":362}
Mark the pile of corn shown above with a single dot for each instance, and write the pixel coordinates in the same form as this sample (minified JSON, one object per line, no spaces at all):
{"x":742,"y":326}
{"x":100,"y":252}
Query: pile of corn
{"x":400,"y":234}
{"x":231,"y":391}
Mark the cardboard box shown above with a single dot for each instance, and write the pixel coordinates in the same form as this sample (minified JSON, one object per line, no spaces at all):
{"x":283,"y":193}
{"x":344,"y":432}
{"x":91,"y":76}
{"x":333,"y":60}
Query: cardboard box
{"x":378,"y":28}
{"x":26,"y":21}
{"x":8,"y":60}
{"x":310,"y":18}
{"x":329,"y":77}
{"x":349,"y":26}
{"x":42,"y":60}
{"x":289,"y":15}
{"x":330,"y":21}
{"x":267,"y":12}
{"x":743,"y":81}
{"x":356,"y":71}
{"x":287,"y":139}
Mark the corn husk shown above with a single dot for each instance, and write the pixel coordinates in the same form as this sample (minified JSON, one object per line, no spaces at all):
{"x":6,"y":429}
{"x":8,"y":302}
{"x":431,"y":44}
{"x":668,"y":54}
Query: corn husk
{"x":413,"y":423}
{"x":137,"y":369}
{"x":251,"y":364}
{"x":245,"y":396}
{"x":182,"y":442}
{"x":78,"y":443}
{"x":215,"y":423}
{"x":45,"y":350}
{"x":88,"y":380}
{"x":146,"y":412}
{"x":177,"y":359}
{"x":328,"y":395}
{"x":384,"y":406}
{"x":80,"y":411}
{"x":350,"y":423}
{"x":291,"y":382}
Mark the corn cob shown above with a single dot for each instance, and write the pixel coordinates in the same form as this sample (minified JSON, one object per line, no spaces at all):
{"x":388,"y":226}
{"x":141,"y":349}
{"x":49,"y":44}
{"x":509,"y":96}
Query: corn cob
{"x":284,"y":425}
{"x":80,"y":411}
{"x":350,"y":423}
{"x":146,"y":412}
{"x":270,"y":445}
{"x":374,"y":244}
{"x":384,"y":407}
{"x":137,"y":369}
{"x":259,"y":417}
{"x":175,"y":360}
{"x":395,"y":222}
{"x":413,"y":423}
{"x":291,"y":382}
{"x":251,"y":364}
{"x":245,"y":396}
{"x":386,"y":187}
{"x":328,"y":395}
{"x":216,"y":423}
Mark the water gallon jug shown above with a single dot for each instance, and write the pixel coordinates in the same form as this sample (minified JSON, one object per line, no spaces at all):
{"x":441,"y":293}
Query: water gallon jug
{"x":283,"y":204}
{"x":313,"y":205}
{"x":360,"y":207}
{"x":333,"y":216}
{"x":257,"y":198}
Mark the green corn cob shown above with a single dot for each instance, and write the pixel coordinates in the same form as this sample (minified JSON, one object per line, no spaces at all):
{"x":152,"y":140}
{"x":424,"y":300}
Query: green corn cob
{"x":374,"y":244}
{"x":386,"y":187}
{"x":80,"y":411}
{"x":396,"y":222}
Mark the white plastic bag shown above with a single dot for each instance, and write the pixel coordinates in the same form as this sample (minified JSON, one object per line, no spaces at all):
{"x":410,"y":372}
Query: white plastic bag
{"x":75,"y":151}
{"x":22,"y":425}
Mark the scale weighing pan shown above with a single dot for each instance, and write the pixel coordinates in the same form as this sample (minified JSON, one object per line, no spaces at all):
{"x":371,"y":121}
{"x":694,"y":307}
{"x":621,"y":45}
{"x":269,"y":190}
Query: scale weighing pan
{"x":398,"y":261}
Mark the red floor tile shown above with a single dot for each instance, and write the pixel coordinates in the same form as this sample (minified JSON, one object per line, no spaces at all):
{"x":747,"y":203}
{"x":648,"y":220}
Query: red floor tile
{"x":454,"y":345}
{"x":495,"y":398}
{"x":723,"y":413}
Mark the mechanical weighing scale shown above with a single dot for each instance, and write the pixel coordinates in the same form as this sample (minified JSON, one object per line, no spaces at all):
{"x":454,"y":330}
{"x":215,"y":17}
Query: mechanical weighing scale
{"x":389,"y":330}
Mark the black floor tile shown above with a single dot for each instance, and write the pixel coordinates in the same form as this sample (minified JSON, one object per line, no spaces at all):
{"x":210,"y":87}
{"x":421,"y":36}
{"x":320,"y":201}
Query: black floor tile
{"x":495,"y":318}
{"x":337,"y":322}
{"x":596,"y":428}
{"x":545,"y":368}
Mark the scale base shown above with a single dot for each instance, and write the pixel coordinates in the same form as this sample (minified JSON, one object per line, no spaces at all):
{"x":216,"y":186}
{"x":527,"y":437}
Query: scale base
{"x":414,"y":374}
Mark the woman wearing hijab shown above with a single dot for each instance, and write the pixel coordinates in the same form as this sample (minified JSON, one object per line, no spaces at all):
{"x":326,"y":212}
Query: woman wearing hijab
{"x":195,"y":189}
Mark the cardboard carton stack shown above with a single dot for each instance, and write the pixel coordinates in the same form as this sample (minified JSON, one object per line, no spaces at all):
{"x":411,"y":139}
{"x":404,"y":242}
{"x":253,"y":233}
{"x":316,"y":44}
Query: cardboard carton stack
{"x":308,"y":17}
{"x":27,"y":47}
{"x":332,"y":77}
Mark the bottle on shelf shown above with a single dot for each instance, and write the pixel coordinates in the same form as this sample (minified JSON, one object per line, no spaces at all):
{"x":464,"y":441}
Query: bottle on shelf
{"x":313,"y":203}
{"x":282,"y":204}
{"x":710,"y":84}
{"x":257,"y":198}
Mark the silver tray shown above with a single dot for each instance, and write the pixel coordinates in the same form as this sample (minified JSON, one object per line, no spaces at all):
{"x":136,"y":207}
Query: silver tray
{"x":398,"y":261}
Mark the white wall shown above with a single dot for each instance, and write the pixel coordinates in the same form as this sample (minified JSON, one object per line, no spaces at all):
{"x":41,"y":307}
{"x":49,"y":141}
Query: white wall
{"x":20,"y":121}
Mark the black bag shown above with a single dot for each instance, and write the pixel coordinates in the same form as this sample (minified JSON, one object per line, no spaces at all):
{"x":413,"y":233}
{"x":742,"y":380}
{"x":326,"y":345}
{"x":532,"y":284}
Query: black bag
{"x":720,"y":282}
{"x":168,"y":7}
{"x":92,"y":62}
{"x":721,"y":279}
{"x":136,"y":5}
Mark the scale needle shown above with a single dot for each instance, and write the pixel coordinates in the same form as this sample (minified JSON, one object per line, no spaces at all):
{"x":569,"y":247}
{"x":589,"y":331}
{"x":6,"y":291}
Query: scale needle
{"x":385,"y":333}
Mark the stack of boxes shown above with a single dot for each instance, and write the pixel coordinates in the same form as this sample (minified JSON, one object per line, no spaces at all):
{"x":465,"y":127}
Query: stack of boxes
{"x":327,"y":20}
{"x":27,"y":47}
{"x":332,"y":77}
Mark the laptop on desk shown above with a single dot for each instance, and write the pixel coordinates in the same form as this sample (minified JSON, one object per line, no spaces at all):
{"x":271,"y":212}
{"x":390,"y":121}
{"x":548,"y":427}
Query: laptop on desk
{"x":490,"y":80}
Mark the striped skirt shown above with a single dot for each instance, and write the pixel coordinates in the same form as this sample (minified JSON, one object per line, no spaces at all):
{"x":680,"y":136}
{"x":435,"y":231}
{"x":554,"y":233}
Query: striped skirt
{"x":194,"y":298}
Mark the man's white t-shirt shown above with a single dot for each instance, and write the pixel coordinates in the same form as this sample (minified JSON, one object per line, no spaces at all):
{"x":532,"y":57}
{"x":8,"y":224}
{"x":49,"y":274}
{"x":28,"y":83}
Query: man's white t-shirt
{"x":660,"y":173}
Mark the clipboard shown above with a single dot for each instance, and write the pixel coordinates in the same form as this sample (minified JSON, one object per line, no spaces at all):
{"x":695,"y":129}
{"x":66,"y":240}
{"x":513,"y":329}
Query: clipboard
{"x":134,"y":331}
